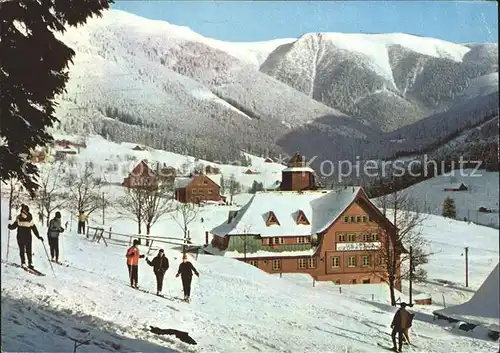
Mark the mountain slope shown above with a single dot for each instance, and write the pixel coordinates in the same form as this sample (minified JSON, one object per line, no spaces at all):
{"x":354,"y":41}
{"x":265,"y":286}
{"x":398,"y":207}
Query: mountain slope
{"x":156,"y":75}
{"x":136,"y":79}
{"x":390,"y":79}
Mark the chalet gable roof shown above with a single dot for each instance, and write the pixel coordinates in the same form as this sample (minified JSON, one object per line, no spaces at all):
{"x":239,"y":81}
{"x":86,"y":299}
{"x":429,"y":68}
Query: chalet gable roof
{"x":320,"y":208}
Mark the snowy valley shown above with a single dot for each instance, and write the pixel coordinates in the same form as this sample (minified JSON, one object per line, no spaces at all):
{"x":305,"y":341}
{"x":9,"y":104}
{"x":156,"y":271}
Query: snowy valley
{"x":235,"y":306}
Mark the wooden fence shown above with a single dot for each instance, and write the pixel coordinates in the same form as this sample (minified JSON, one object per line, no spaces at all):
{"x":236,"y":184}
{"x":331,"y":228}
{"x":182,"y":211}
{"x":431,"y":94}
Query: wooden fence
{"x":98,"y":233}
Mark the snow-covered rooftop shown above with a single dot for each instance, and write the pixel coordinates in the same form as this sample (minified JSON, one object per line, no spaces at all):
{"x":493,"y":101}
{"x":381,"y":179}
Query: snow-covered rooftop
{"x":483,"y":308}
{"x":321,"y":209}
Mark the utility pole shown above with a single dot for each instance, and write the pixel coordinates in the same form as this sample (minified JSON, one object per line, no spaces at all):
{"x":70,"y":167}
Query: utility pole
{"x":466,"y":266}
{"x":103,"y":208}
{"x":411,"y":274}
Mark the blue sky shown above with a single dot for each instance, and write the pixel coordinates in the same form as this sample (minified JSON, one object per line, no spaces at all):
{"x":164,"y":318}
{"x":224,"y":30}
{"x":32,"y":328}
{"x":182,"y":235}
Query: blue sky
{"x":457,"y":21}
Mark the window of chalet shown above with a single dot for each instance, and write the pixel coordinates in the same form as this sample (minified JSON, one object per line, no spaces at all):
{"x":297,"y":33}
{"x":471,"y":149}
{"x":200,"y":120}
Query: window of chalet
{"x":210,"y":191}
{"x":352,"y":219}
{"x":276,"y":265}
{"x":367,"y":237}
{"x":351,"y":237}
{"x":276,"y":241}
{"x":351,"y":261}
{"x":366,"y":260}
{"x":374,"y":237}
{"x":345,"y":219}
{"x":302,"y":240}
{"x":358,"y":219}
{"x":366,"y":281}
{"x":271,"y":219}
{"x":353,"y":281}
{"x":341,"y":237}
{"x":366,"y":219}
{"x":336,"y":261}
{"x":302,"y":263}
{"x":254,"y":263}
{"x":311,"y":262}
{"x":302,"y":219}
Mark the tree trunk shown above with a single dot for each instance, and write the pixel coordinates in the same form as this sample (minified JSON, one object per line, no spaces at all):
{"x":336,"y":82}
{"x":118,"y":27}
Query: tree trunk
{"x":139,"y":226}
{"x":11,"y":201}
{"x":148,"y":229}
{"x":391,"y":290}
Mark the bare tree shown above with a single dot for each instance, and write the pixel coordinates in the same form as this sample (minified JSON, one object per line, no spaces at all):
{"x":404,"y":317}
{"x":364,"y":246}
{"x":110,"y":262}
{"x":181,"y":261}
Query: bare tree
{"x":14,"y":195}
{"x":232,"y":186}
{"x":50,"y":195}
{"x":402,"y":211}
{"x":184,"y":214}
{"x":156,"y":203}
{"x":131,"y":206}
{"x":84,"y":190}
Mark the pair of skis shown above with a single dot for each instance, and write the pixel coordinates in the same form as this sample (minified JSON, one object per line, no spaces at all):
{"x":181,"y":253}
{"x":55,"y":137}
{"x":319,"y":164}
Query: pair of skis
{"x":27,"y":269}
{"x":160,"y":295}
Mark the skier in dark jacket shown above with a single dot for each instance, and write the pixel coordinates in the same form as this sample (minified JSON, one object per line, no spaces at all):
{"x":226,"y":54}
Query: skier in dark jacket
{"x":55,"y":228}
{"x":186,"y":270}
{"x":160,"y":266}
{"x":24,"y":224}
{"x":400,"y":322}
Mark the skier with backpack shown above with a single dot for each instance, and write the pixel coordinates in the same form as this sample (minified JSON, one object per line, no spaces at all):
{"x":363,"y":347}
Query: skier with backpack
{"x":133,"y":257}
{"x":55,"y":228}
{"x":399,"y":324}
{"x":186,"y":270}
{"x":160,"y":266}
{"x":24,"y":224}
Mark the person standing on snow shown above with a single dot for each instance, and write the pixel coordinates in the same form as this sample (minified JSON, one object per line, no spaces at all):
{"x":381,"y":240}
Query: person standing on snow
{"x":24,"y":224}
{"x":133,"y":257}
{"x":400,"y":322}
{"x":82,"y":218}
{"x":186,"y":270}
{"x":160,"y":266}
{"x":55,"y":228}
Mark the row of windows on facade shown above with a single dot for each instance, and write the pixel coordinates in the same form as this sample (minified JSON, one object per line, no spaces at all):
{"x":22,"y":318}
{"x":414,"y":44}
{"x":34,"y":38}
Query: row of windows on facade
{"x":196,"y":191}
{"x":341,"y":238}
{"x":310,"y":262}
{"x":353,"y":237}
{"x":356,"y":219}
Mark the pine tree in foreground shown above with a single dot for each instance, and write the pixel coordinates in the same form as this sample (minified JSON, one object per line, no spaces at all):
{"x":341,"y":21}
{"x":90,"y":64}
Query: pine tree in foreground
{"x":33,"y":70}
{"x":449,"y":209}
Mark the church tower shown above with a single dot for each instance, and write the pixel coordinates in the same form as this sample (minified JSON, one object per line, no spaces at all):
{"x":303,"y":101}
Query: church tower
{"x":297,"y":176}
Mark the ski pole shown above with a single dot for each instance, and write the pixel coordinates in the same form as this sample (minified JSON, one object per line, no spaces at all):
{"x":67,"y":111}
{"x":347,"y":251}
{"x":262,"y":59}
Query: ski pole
{"x":8,"y":241}
{"x":48,"y":258}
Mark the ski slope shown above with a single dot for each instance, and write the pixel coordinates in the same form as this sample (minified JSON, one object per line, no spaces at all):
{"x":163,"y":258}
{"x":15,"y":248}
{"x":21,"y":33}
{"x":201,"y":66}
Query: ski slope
{"x":235,"y":307}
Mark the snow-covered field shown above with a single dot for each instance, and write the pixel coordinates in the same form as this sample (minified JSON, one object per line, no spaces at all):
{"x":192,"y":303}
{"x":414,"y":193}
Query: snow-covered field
{"x":235,"y":306}
{"x":482,"y":191}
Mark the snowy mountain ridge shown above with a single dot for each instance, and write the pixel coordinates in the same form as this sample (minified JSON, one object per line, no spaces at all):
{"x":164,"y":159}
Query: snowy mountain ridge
{"x":151,"y":81}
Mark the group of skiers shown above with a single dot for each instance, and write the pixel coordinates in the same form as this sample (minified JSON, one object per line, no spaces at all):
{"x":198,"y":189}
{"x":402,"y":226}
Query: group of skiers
{"x":160,"y":266}
{"x":25,"y":226}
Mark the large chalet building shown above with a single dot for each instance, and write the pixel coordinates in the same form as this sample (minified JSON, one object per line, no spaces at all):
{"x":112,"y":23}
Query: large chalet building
{"x":196,"y":189}
{"x":333,"y":235}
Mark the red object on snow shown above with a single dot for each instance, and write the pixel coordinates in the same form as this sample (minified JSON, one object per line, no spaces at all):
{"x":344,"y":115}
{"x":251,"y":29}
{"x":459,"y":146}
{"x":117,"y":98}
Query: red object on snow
{"x":115,"y":346}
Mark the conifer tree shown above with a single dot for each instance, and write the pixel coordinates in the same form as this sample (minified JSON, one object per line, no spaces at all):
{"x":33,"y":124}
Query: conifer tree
{"x":33,"y":70}
{"x":449,"y":209}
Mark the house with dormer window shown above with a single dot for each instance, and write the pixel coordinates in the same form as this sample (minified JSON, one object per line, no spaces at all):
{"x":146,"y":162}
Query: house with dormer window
{"x":333,"y":235}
